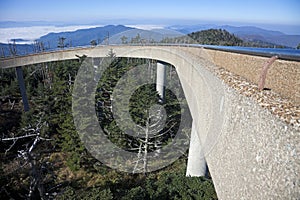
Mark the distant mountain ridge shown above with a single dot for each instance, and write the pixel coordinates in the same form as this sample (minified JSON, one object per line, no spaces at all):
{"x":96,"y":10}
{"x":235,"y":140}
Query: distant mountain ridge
{"x":247,"y":33}
{"x":118,"y":34}
{"x":148,"y":36}
{"x":110,"y":34}
{"x":83,"y":37}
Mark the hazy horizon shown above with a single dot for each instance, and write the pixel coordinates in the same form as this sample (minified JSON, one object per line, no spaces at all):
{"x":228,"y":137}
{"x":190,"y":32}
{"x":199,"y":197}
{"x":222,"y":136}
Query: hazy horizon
{"x":33,"y":30}
{"x":32,"y":19}
{"x":162,"y":22}
{"x":281,"y":13}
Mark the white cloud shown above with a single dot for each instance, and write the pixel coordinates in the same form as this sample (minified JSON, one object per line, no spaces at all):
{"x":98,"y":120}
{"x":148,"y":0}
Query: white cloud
{"x":146,"y":26}
{"x":35,"y":32}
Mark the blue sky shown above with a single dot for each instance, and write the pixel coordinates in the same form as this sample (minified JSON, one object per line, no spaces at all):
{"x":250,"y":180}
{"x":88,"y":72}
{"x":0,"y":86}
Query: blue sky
{"x":252,"y":11}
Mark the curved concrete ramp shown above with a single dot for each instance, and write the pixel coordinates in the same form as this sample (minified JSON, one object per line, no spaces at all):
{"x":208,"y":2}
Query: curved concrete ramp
{"x":250,"y":153}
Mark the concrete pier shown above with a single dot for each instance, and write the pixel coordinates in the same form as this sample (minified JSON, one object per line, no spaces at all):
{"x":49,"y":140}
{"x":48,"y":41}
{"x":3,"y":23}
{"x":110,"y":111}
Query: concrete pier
{"x":161,"y":80}
{"x":196,"y":165}
{"x":21,"y":82}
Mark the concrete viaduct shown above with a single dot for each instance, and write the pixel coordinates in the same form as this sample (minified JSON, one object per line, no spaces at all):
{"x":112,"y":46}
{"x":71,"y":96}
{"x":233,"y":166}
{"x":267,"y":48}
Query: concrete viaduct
{"x":250,"y":153}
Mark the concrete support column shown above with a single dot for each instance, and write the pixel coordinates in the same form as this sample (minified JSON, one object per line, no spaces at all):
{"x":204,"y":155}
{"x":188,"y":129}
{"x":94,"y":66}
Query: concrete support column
{"x":21,"y":82}
{"x":196,"y":165}
{"x":161,"y":80}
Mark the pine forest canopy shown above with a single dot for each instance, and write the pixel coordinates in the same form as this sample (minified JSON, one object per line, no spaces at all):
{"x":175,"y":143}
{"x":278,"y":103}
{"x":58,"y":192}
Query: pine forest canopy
{"x":42,"y":155}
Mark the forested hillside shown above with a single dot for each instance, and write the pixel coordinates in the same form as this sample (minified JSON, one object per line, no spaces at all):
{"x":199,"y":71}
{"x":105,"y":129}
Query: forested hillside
{"x":42,"y":156}
{"x":216,"y":37}
{"x":219,"y":37}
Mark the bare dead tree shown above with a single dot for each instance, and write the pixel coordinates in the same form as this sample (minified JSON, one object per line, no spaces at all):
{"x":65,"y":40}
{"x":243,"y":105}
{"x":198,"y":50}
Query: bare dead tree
{"x":151,"y":129}
{"x":38,"y":46}
{"x":61,"y":42}
{"x":2,"y":52}
{"x":12,"y":48}
{"x":28,"y":155}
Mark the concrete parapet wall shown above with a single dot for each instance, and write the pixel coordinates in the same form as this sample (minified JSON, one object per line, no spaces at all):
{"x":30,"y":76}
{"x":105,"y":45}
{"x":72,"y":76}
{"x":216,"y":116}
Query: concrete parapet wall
{"x":256,"y":155}
{"x":283,"y":76}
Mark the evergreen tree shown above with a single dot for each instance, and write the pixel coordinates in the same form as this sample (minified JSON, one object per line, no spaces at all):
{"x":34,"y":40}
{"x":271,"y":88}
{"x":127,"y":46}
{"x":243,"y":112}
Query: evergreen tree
{"x":50,"y":88}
